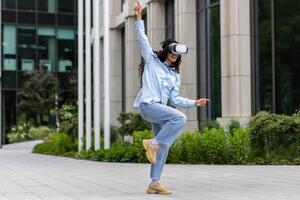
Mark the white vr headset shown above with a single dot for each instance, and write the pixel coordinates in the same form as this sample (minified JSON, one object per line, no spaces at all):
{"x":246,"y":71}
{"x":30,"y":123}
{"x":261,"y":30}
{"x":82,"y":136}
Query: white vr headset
{"x":176,"y":48}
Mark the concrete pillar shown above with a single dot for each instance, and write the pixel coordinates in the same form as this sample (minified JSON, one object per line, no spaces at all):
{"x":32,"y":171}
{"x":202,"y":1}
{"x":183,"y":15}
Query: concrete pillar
{"x":133,"y":58}
{"x":185,"y":32}
{"x":116,"y":74}
{"x":236,"y":60}
{"x":156,"y":25}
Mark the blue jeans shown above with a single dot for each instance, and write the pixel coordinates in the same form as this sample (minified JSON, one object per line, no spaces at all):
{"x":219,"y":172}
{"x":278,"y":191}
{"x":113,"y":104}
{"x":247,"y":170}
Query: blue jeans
{"x":167,"y":123}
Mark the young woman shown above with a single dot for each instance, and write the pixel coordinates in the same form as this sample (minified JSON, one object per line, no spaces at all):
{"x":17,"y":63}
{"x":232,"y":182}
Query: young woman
{"x":158,"y":98}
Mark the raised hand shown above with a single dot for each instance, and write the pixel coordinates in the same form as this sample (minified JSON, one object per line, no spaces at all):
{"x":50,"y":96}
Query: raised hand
{"x":201,"y":102}
{"x":138,"y":10}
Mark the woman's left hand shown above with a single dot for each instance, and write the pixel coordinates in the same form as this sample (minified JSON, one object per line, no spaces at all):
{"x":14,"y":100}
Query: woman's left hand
{"x":201,"y":102}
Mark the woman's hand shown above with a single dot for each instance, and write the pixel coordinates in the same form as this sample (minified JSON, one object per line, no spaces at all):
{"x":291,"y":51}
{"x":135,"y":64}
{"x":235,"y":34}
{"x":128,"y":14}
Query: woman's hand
{"x":138,"y":10}
{"x":201,"y":102}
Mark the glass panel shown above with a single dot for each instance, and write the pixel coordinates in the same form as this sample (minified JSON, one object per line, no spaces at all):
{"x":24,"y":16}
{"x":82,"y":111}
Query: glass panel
{"x":46,"y":19}
{"x":215,"y":61}
{"x":26,"y":5}
{"x":214,"y":1}
{"x":287,"y":32}
{"x":9,"y":47}
{"x":9,"y":80}
{"x":27,"y":17}
{"x":123,"y":70}
{"x":66,"y":6}
{"x":264,"y":55}
{"x":9,"y":16}
{"x":26,"y":48}
{"x":170,"y":20}
{"x":9,"y":108}
{"x":46,"y":48}
{"x":66,"y":49}
{"x":47,"y":5}
{"x":65,"y":20}
{"x":8,"y":4}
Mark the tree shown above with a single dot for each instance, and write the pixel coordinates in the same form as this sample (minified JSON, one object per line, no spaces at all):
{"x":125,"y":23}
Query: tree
{"x":37,"y":94}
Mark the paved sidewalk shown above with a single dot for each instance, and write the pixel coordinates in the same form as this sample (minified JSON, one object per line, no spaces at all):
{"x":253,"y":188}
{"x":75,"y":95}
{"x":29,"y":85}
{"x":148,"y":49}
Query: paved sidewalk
{"x":32,"y":176}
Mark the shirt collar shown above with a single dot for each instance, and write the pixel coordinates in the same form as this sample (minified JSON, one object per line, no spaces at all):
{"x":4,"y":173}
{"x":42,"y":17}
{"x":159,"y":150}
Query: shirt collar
{"x":169,"y":68}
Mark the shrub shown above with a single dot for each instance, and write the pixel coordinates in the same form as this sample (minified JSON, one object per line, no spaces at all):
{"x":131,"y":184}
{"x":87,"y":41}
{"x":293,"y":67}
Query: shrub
{"x":131,"y":122}
{"x":297,"y":161}
{"x":232,"y":126}
{"x":19,"y":133}
{"x":39,"y":132}
{"x":269,"y":132}
{"x":239,"y":146}
{"x":214,"y":144}
{"x":209,"y":124}
{"x":60,"y":144}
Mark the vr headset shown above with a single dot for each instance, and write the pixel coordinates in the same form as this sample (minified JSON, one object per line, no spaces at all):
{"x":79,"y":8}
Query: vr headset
{"x":176,"y":48}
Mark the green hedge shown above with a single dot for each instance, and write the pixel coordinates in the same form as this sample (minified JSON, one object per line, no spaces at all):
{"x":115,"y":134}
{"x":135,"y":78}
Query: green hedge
{"x":269,"y":139}
{"x":59,"y":144}
{"x":275,"y":137}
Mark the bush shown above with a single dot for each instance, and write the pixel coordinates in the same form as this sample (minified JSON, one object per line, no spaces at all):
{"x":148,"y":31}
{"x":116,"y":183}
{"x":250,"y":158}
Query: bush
{"x":131,"y":122}
{"x":209,"y":124}
{"x":60,"y":144}
{"x":214,"y":144}
{"x":39,"y":132}
{"x":268,"y":132}
{"x":19,"y":133}
{"x":239,"y":146}
{"x":232,"y":126}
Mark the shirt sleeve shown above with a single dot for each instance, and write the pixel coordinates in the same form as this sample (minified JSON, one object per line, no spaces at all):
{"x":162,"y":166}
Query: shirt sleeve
{"x":143,"y":41}
{"x":178,"y":101}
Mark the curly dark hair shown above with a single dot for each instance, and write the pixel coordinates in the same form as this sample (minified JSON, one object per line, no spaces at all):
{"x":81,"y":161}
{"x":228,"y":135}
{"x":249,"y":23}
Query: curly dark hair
{"x":162,"y":56}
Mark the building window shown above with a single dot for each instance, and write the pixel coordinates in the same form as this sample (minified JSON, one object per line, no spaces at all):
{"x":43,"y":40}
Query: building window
{"x":66,"y":6}
{"x":122,"y":2}
{"x":46,"y":48}
{"x":123,"y":71}
{"x":9,"y":110}
{"x":66,"y":49}
{"x":276,"y":56}
{"x":170,"y":19}
{"x":209,"y":57}
{"x":26,"y":48}
{"x":8,"y":4}
{"x":47,"y":6}
{"x":9,"y":47}
{"x":26,"y":5}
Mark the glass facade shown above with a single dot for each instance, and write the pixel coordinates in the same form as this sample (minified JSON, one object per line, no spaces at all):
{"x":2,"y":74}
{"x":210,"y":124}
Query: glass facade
{"x":209,"y":57}
{"x":170,"y":19}
{"x":277,"y":49}
{"x":35,"y":37}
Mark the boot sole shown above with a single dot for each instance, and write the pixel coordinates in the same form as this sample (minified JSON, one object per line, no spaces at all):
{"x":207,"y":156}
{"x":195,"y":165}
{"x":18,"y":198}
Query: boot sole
{"x":152,"y":191}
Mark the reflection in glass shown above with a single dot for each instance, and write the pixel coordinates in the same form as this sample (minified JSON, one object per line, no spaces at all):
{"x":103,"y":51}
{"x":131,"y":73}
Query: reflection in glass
{"x":26,"y":4}
{"x":47,"y":5}
{"x":9,"y":47}
{"x":66,"y":49}
{"x":66,"y":6}
{"x":46,"y":48}
{"x":264,"y":53}
{"x":170,"y":20}
{"x":287,"y":32}
{"x":26,"y":48}
{"x":9,"y":110}
{"x":8,"y":4}
{"x":215,"y":61}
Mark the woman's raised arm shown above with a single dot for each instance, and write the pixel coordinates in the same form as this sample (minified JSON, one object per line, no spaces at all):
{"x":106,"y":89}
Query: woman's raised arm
{"x":142,"y":39}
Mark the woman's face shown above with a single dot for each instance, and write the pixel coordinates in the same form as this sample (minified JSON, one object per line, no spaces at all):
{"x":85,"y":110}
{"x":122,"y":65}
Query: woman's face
{"x":171,"y":58}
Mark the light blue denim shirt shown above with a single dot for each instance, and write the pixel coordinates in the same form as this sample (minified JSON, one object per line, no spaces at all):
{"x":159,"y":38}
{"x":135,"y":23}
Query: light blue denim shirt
{"x":160,"y":83}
